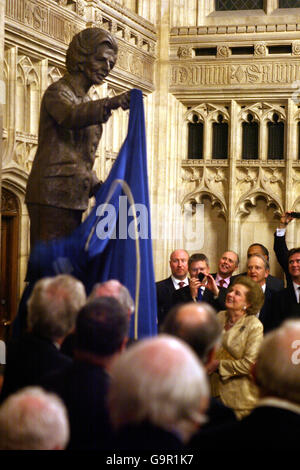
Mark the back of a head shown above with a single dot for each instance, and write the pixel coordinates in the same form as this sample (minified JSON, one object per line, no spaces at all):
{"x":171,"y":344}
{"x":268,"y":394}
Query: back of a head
{"x":54,"y":304}
{"x":196,"y":324}
{"x":160,"y":381}
{"x":101,"y":327}
{"x":32,"y":419}
{"x":113,"y":288}
{"x":277,"y":367}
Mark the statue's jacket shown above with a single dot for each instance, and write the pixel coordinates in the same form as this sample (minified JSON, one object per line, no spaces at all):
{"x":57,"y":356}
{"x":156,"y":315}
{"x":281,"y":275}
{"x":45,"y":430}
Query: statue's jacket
{"x":69,"y":133}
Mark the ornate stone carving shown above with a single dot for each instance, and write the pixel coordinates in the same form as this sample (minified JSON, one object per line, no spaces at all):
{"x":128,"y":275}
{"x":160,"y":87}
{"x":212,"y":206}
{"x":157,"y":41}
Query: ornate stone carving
{"x":98,"y":18}
{"x":223,"y":52}
{"x":184,"y":51}
{"x":296,"y":48}
{"x":80,"y":7}
{"x":260,"y":49}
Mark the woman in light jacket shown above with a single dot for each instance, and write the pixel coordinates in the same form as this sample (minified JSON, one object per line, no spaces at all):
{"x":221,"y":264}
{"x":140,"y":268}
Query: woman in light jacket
{"x":242,"y":335}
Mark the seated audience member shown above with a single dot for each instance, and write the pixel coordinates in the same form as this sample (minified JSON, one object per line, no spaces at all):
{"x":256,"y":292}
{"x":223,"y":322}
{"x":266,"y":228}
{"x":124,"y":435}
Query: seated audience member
{"x":100,"y":335}
{"x":275,"y":420}
{"x":272,"y":282}
{"x":205,"y":290}
{"x":285,"y":304}
{"x":158,"y":395}
{"x":197,"y":325}
{"x":242,"y":335}
{"x":258,"y":270}
{"x":32,"y":419}
{"x":52,"y":310}
{"x":228,"y":263}
{"x":111,"y":288}
{"x":177,"y":280}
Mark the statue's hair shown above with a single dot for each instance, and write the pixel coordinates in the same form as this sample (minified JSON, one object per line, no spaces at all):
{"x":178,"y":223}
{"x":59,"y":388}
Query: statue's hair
{"x":84,"y":44}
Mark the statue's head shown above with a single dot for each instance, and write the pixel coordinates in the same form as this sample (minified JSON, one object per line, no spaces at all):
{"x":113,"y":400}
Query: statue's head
{"x":90,"y":49}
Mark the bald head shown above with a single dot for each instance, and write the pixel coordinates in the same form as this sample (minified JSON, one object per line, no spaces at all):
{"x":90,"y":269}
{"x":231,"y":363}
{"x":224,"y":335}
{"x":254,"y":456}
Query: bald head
{"x":228,"y":263}
{"x":159,"y":380}
{"x":277,"y":367}
{"x":179,"y":263}
{"x":113,"y":288}
{"x":197,"y":325}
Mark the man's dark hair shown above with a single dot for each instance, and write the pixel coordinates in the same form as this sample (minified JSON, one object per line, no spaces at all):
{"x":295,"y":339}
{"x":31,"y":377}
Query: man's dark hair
{"x":292,"y":251}
{"x":101,"y":327}
{"x":264,"y":249}
{"x":201,"y":338}
{"x":198,"y":257}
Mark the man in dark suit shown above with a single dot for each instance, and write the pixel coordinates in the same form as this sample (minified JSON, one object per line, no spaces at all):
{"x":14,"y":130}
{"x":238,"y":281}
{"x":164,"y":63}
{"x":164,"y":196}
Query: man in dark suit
{"x":205,"y":290}
{"x":101,"y":334}
{"x":275,"y":421}
{"x":166,"y":288}
{"x":52,"y":311}
{"x":272,"y":282}
{"x":197,"y":325}
{"x":285,"y":304}
{"x":61,"y":179}
{"x":258,"y":269}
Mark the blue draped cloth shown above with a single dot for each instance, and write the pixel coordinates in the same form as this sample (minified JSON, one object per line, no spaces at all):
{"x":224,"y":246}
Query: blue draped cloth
{"x":108,"y":244}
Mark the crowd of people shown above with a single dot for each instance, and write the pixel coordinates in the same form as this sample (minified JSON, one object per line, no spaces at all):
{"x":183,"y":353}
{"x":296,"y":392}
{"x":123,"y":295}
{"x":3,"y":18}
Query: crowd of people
{"x":225,"y":365}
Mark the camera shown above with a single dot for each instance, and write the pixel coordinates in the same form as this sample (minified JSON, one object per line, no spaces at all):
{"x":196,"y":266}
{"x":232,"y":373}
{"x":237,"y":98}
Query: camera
{"x":295,"y":215}
{"x":201,"y":276}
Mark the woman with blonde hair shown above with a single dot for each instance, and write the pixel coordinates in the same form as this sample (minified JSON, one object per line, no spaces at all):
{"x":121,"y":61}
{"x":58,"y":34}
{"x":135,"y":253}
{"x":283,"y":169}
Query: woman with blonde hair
{"x":231,"y":379}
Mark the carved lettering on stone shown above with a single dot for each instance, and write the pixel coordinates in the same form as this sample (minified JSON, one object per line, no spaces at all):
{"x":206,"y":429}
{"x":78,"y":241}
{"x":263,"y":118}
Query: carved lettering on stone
{"x":228,"y":74}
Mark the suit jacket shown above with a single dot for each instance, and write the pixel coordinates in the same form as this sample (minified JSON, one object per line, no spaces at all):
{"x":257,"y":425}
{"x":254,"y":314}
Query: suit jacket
{"x":283,"y":305}
{"x":273,"y":428}
{"x":145,"y":436}
{"x":184,"y":295}
{"x":83,"y":388}
{"x":282,"y":255}
{"x":28,"y":359}
{"x":164,"y":292}
{"x":69,"y":133}
{"x":267,"y":304}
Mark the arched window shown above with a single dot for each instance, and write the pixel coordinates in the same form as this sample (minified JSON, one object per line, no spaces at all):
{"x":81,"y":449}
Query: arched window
{"x":220,"y":139}
{"x":275,"y":139}
{"x":195,"y":138}
{"x":223,"y":5}
{"x":289,"y":3}
{"x":250,"y":139}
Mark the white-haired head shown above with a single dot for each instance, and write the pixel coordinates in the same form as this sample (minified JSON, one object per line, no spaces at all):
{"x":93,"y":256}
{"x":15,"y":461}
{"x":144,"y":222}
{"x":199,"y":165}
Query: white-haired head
{"x":32,"y":419}
{"x":161,"y":381}
{"x":277,"y":369}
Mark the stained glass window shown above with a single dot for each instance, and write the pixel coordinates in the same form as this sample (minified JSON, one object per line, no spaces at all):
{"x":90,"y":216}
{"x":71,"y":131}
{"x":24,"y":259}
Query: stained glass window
{"x":220,"y":139}
{"x":195,"y":136}
{"x":250,"y":139}
{"x":223,"y":5}
{"x":275,"y":139}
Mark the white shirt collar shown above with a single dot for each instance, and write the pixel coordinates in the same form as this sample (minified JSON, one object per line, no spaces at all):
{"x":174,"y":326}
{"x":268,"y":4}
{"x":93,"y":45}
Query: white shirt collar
{"x":176,"y":281}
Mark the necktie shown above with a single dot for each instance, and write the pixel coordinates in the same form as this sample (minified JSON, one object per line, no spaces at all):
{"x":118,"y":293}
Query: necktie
{"x":200,"y":294}
{"x":181,"y":284}
{"x":221,"y":283}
